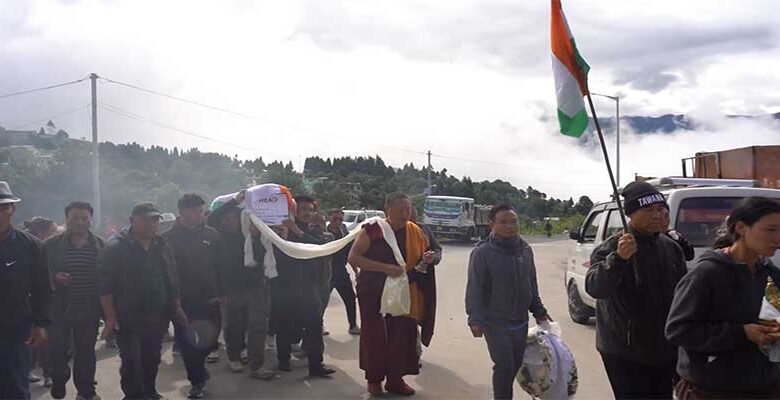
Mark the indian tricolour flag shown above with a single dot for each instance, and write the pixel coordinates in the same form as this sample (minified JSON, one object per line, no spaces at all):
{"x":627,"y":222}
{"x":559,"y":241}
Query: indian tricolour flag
{"x":571,"y":75}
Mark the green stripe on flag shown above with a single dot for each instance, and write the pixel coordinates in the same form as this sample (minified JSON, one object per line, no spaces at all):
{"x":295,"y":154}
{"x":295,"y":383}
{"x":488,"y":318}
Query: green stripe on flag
{"x":573,"y":126}
{"x":580,"y":61}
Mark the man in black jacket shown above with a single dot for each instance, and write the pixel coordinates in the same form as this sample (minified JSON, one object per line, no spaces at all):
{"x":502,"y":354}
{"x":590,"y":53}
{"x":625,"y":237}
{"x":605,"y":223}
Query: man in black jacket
{"x":633,"y":275}
{"x":24,"y":299}
{"x":340,"y":279}
{"x":72,"y":257}
{"x":501,"y":290}
{"x":140,"y":295}
{"x":247,"y":307}
{"x":198,"y":252}
{"x":297,"y":293}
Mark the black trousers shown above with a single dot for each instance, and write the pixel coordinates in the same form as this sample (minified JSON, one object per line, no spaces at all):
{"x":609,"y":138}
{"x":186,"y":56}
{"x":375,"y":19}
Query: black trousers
{"x":343,"y":285}
{"x":296,"y":311}
{"x":14,"y":364}
{"x":506,"y":344}
{"x":630,"y":380}
{"x":194,"y":357}
{"x":139,"y":350}
{"x":75,"y":329}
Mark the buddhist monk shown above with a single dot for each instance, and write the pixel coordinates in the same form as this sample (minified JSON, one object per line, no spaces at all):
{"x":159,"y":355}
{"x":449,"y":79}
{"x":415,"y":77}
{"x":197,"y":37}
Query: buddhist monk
{"x":388,"y":344}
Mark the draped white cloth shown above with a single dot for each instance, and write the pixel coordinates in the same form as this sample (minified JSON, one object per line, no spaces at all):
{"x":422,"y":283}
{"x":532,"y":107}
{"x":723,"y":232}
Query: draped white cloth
{"x":301,"y":251}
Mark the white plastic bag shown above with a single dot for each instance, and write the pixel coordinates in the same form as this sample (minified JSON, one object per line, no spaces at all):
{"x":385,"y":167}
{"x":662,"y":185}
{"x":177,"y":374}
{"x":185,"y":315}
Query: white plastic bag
{"x":396,"y":298}
{"x":549,"y":370}
{"x":770,"y":313}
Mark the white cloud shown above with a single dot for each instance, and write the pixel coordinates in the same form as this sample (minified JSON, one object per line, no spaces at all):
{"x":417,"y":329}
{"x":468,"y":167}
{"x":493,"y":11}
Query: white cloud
{"x":467,"y":79}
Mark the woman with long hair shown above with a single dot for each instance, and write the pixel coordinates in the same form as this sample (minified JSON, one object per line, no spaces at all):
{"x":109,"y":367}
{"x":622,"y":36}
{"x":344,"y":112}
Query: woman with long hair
{"x":714,"y":315}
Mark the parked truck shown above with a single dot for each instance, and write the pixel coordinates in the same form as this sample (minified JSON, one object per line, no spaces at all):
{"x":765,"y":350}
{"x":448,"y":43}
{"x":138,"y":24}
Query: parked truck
{"x":456,"y":217}
{"x":758,"y":163}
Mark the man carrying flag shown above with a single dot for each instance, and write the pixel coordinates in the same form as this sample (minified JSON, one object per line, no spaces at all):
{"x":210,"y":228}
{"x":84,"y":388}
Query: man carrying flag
{"x":634,"y":272}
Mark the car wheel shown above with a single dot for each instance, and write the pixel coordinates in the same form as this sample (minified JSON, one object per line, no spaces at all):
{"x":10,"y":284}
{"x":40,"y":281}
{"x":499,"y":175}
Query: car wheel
{"x":578,"y":310}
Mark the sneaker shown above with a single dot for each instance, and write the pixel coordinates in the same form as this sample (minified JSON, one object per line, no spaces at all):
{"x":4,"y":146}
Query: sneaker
{"x":270,"y":342}
{"x":47,"y":382}
{"x":58,"y":390}
{"x":213,"y":357}
{"x":197,"y":392}
{"x":355,"y":330}
{"x":264,"y":374}
{"x":236,"y":366}
{"x":32,"y":378}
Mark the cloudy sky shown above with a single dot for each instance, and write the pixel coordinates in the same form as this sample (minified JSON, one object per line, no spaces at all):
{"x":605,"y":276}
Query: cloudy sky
{"x":468,"y":79}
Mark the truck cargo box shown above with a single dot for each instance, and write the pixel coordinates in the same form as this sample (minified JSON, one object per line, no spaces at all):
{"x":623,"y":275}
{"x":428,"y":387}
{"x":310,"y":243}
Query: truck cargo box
{"x":761,"y":163}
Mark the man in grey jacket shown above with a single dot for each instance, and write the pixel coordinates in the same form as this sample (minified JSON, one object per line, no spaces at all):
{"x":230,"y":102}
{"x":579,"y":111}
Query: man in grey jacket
{"x":501,"y":290}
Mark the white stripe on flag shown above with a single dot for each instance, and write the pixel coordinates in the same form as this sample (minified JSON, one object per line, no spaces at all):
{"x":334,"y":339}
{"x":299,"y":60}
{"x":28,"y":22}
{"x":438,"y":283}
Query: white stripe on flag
{"x":567,"y":89}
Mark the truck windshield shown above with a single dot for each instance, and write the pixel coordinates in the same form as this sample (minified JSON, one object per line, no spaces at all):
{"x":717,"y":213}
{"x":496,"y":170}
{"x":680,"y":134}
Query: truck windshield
{"x":443,"y":206}
{"x":700,"y":218}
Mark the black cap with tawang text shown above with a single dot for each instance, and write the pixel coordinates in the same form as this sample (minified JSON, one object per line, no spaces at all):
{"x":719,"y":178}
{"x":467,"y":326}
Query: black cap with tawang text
{"x":145,"y":210}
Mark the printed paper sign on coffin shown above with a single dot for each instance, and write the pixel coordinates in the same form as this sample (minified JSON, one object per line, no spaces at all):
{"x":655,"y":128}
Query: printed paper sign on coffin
{"x":271,"y":209}
{"x":271,"y":203}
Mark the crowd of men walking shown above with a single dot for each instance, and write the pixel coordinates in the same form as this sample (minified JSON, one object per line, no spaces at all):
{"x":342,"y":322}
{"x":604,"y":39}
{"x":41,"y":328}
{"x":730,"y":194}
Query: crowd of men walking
{"x":660,"y":327}
{"x":59,"y":286}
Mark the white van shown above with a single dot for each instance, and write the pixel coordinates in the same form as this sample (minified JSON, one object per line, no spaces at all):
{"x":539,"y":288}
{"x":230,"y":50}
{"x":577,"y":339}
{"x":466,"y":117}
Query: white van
{"x":695,"y":210}
{"x":353,"y":218}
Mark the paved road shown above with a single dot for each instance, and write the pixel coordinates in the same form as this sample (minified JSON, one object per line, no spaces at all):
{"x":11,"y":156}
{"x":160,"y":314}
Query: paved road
{"x":456,"y":366}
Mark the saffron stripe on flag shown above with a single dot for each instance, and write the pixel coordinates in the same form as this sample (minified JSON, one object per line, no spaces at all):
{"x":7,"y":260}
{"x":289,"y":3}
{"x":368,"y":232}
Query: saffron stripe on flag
{"x":571,"y":75}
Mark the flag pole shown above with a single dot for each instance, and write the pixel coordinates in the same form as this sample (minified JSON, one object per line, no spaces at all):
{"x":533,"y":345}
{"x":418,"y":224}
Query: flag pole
{"x":615,"y":193}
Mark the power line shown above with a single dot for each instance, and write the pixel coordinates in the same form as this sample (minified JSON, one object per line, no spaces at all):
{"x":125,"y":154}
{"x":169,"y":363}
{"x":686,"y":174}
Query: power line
{"x":287,"y":126}
{"x":42,"y":89}
{"x":141,"y":118}
{"x":284,"y":125}
{"x":20,"y":126}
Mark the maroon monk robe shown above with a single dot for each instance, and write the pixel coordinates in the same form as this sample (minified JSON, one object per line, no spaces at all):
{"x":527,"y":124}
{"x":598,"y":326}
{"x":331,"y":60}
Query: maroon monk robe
{"x":388,"y":345}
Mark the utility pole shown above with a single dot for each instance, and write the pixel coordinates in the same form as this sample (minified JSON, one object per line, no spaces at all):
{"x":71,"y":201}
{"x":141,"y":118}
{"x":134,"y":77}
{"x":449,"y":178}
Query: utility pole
{"x":616,"y":99}
{"x":97,"y":220}
{"x":617,"y":133}
{"x":429,"y":173}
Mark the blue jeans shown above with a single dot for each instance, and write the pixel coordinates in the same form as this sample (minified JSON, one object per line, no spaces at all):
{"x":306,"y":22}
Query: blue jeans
{"x":14,"y":366}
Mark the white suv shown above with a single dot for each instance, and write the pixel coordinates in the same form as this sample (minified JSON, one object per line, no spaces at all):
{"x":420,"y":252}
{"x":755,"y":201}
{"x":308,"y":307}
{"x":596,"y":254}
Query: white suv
{"x":695,"y":211}
{"x":353,"y":218}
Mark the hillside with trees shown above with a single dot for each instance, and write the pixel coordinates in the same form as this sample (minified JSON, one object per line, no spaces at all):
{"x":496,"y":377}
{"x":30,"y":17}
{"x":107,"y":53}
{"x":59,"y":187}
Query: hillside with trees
{"x":48,"y":172}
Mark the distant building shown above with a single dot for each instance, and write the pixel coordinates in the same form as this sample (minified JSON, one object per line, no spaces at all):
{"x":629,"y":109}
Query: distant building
{"x":353,"y":190}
